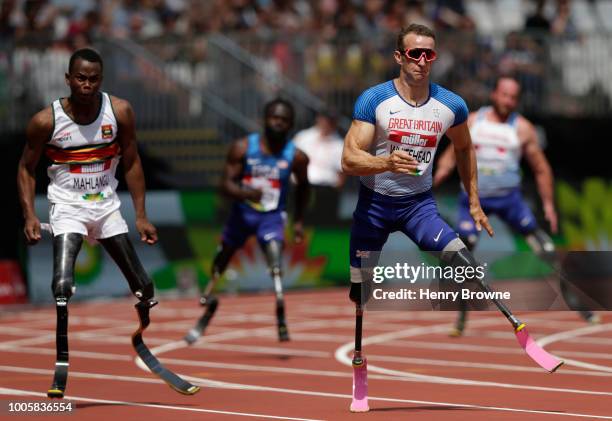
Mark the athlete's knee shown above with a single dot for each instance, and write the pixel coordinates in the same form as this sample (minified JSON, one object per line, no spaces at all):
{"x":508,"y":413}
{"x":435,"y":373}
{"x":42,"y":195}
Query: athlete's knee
{"x":456,"y":254}
{"x":361,"y":285}
{"x":63,"y":287}
{"x":541,"y":244}
{"x":141,"y":284}
{"x":147,"y":292}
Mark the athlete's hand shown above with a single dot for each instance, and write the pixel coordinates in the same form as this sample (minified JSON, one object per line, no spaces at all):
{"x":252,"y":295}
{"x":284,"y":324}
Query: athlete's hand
{"x":551,"y":216}
{"x":31,"y":230}
{"x":481,"y":220}
{"x":148,"y":232}
{"x":298,"y":232}
{"x":253,"y":195}
{"x":400,"y":162}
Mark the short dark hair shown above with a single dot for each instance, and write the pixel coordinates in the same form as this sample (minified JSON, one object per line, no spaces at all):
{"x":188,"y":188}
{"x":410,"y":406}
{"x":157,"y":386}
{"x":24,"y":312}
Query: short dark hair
{"x":87,"y":54}
{"x":510,"y":76}
{"x":416,"y":29}
{"x":278,"y":101}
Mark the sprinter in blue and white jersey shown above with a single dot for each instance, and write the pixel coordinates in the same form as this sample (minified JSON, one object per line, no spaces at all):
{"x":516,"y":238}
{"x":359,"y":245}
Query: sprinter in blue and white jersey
{"x":391,"y":144}
{"x":501,"y":138}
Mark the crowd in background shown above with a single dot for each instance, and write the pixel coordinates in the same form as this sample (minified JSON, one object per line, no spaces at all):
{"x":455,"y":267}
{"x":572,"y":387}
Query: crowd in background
{"x":332,"y":47}
{"x":78,"y":21}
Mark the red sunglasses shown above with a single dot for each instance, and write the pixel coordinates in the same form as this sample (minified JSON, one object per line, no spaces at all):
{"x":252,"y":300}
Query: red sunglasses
{"x":416,"y":54}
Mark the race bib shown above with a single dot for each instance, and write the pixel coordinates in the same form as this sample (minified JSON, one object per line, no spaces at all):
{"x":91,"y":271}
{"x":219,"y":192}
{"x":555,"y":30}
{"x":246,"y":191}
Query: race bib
{"x":421,"y":147}
{"x":270,"y":193}
{"x":90,"y":178}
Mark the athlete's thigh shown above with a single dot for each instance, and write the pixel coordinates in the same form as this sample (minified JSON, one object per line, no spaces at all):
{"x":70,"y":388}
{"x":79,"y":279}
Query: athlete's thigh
{"x":109,"y":225}
{"x":238,"y":228}
{"x":270,"y":227}
{"x":423,"y":224}
{"x":65,"y":219}
{"x":369,"y":232}
{"x":517,"y":214}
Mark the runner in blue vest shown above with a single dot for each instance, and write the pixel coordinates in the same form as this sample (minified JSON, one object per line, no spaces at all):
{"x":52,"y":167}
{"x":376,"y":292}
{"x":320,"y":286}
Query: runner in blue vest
{"x":256,"y":176}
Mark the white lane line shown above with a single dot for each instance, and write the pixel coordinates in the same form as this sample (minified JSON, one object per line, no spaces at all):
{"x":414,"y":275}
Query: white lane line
{"x":399,"y":343}
{"x":265,"y":350}
{"x":573,"y":334}
{"x":487,"y":349}
{"x":19,"y":392}
{"x":491,"y":366}
{"x":260,"y":388}
{"x":588,"y":340}
{"x":341,"y":356}
{"x":342,"y":352}
{"x":50,"y":351}
{"x":213,"y":383}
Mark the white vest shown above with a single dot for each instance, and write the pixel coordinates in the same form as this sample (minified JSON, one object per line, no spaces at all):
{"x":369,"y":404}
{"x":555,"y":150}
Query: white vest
{"x":416,"y":130}
{"x":498,"y":154}
{"x":83,"y":157}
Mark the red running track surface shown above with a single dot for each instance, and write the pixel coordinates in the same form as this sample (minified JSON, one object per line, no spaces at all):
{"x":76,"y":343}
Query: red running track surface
{"x":416,"y":371}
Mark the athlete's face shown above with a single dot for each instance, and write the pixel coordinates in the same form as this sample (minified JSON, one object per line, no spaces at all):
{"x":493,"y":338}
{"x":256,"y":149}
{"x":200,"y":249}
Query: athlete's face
{"x":84,"y":80}
{"x":417,"y":70}
{"x":279,"y":122}
{"x":505,"y":97}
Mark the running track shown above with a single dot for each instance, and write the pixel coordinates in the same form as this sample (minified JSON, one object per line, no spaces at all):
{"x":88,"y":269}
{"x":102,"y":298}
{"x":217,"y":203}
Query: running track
{"x":415,"y":370}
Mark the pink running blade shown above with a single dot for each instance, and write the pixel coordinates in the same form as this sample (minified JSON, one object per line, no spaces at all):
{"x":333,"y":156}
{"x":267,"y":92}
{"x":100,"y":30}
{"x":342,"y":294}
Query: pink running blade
{"x":360,"y":388}
{"x":536,"y":352}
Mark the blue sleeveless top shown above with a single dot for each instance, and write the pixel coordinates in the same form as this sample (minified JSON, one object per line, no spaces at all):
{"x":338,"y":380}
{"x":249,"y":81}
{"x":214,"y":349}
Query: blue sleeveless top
{"x":269,"y":173}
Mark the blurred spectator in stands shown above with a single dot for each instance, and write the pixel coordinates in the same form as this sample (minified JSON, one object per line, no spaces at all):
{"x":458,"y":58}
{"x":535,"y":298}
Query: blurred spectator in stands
{"x":169,"y":45}
{"x":323,"y":146}
{"x":322,"y":21}
{"x":48,"y":74}
{"x":524,"y":59}
{"x":241,"y":15}
{"x":39,"y":23}
{"x":286,"y":15}
{"x":538,"y":21}
{"x":135,"y":19}
{"x":395,"y":16}
{"x":416,"y":12}
{"x":562,"y":24}
{"x":346,"y":20}
{"x":203,"y":71}
{"x":7,"y":25}
{"x":473,"y":68}
{"x":371,"y":21}
{"x":82,"y":31}
{"x":451,"y":14}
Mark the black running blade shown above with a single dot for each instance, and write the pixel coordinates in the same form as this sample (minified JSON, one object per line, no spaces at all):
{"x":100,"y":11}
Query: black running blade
{"x":174,"y":381}
{"x":59,"y":380}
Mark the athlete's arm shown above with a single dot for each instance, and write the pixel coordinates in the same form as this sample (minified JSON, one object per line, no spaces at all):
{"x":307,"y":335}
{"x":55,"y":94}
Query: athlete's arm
{"x":134,"y":175}
{"x":357,"y":160}
{"x":466,"y":165}
{"x":541,"y":169}
{"x":302,"y":193}
{"x":232,"y":172}
{"x":446,"y":165}
{"x":38,"y":132}
{"x":447,"y":162}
